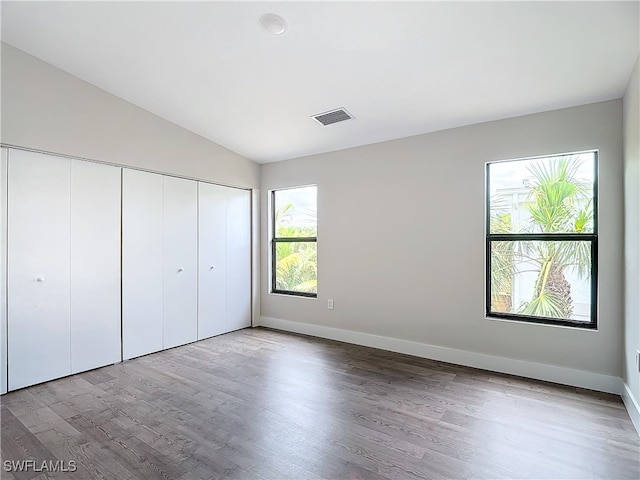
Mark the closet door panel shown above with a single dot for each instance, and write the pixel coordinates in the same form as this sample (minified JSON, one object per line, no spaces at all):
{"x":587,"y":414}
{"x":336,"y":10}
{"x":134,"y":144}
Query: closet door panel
{"x":142,"y":266}
{"x":212,"y":271}
{"x":180,"y":261}
{"x":238,"y":259}
{"x":38,"y":268}
{"x":95,"y":265}
{"x":3,"y":270}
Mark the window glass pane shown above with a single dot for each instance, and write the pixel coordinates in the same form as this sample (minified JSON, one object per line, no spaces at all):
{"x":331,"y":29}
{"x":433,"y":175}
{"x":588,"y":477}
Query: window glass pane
{"x":295,"y":212}
{"x":296,"y":267}
{"x":542,"y":278}
{"x":542,"y":195}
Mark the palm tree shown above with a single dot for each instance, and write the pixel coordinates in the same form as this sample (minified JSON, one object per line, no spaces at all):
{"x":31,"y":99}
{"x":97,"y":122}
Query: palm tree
{"x":560,"y":204}
{"x":296,"y":267}
{"x":502,"y":264}
{"x":296,"y":262}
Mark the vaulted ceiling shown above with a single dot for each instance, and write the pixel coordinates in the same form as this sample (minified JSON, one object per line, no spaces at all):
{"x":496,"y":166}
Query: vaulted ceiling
{"x":400,"y":68}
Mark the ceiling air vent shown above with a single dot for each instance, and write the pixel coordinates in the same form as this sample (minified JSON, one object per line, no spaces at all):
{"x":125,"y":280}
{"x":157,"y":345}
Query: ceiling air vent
{"x":333,"y":116}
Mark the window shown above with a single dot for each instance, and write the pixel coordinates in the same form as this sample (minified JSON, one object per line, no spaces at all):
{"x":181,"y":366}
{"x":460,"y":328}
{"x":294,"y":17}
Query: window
{"x":542,"y":244}
{"x":294,"y":253}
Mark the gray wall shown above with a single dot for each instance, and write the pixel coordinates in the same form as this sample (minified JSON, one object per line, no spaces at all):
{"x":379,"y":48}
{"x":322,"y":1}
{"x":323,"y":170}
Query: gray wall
{"x":44,"y":108}
{"x":401,"y":238}
{"x":632,"y":232}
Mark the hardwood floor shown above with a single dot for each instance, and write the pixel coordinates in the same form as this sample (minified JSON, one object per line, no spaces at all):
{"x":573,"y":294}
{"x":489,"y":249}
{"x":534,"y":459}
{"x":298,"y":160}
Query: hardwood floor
{"x":262,"y":404}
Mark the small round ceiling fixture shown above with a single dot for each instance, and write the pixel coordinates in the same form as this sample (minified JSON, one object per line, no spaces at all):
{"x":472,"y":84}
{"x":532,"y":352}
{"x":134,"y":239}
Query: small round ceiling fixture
{"x":273,"y":24}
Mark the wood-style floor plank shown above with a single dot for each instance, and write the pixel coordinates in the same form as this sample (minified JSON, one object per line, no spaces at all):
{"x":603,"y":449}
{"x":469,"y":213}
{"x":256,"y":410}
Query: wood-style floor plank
{"x":262,"y":404}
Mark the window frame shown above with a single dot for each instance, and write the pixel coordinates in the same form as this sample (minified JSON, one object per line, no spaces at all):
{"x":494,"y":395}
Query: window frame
{"x":275,"y":240}
{"x":591,"y":237}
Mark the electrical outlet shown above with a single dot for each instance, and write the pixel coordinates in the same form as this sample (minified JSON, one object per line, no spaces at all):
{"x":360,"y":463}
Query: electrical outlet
{"x":330,"y":303}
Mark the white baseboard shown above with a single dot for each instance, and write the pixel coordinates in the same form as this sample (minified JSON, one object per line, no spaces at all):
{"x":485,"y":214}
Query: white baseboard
{"x":632,"y":406}
{"x":538,"y":371}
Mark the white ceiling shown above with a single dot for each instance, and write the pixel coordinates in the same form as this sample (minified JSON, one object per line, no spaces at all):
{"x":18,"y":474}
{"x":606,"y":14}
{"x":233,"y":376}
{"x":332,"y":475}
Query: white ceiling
{"x":400,"y":68}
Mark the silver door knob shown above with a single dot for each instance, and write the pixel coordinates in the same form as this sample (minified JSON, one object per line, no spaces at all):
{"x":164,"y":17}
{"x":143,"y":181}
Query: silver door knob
{"x":212,"y":267}
{"x":40,"y":279}
{"x":180,"y":270}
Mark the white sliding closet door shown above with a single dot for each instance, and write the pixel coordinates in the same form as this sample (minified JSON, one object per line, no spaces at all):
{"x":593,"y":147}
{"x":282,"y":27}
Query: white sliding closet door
{"x":38,"y":268}
{"x":3,"y":270}
{"x":180,"y":323}
{"x":238,"y":259}
{"x":142,"y":263}
{"x":212,"y":271}
{"x":95,"y":265}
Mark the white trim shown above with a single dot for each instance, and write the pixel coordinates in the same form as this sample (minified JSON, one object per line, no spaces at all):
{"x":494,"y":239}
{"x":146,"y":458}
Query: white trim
{"x":121,"y":165}
{"x":538,"y":371}
{"x":632,"y":406}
